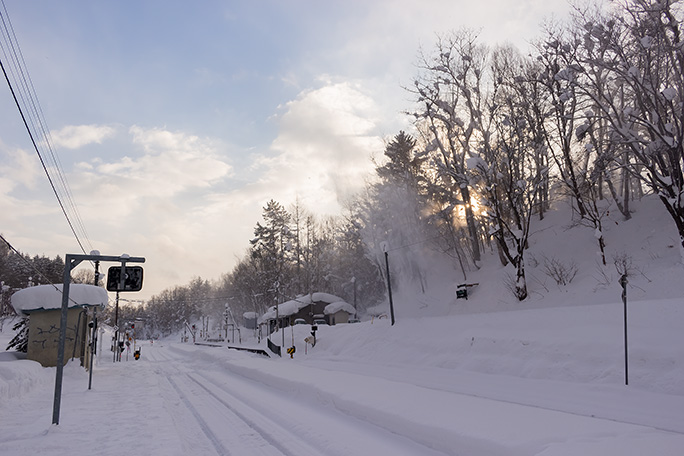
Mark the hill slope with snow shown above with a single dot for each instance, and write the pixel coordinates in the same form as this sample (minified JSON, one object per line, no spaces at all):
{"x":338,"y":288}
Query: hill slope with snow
{"x":648,"y":242}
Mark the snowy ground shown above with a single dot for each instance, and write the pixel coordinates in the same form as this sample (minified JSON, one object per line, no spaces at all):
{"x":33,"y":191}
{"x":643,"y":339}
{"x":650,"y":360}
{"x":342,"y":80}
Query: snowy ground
{"x":482,"y":377}
{"x":511,"y":383}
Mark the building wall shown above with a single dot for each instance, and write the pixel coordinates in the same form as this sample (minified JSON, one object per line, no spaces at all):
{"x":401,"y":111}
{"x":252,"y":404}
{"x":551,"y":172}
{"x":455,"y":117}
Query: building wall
{"x":43,"y":344}
{"x":309,"y":311}
{"x":338,"y":317}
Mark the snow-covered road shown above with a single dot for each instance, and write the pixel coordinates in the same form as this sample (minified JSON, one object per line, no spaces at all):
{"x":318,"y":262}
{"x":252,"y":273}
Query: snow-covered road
{"x":217,"y":410}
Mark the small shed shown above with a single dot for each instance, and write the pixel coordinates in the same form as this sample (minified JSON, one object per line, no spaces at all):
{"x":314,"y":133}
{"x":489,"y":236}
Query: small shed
{"x":42,"y":304}
{"x":250,"y":320}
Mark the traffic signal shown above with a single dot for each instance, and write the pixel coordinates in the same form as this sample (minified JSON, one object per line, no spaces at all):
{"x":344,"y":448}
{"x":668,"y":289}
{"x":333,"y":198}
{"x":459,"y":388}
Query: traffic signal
{"x":133,"y":279}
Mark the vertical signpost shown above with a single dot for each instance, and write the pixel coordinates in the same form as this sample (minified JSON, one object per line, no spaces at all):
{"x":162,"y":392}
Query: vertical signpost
{"x":70,"y":262}
{"x":623,"y":282}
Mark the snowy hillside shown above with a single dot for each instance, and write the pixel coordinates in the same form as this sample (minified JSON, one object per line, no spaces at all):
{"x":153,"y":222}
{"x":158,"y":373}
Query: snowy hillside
{"x":483,"y":376}
{"x":648,"y":241}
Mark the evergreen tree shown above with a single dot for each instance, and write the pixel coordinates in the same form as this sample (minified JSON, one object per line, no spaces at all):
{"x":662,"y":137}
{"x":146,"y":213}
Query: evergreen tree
{"x":272,"y":249}
{"x":20,"y":340}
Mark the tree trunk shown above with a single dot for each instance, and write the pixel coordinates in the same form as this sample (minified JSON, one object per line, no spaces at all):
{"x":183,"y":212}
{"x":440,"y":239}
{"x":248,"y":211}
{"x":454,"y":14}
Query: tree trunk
{"x":616,"y":198}
{"x":472,"y":227}
{"x":500,"y":250}
{"x":626,"y":193}
{"x":677,"y":214}
{"x":520,"y":282}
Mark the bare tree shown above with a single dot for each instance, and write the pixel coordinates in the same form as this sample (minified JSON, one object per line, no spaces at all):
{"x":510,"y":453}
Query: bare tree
{"x":508,"y":178}
{"x":452,"y":113}
{"x":638,"y":47}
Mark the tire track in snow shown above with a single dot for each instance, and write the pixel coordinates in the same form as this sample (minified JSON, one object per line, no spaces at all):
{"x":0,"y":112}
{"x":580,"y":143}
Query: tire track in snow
{"x":218,"y":446}
{"x":268,"y":421}
{"x":303,"y":425}
{"x":232,"y":427}
{"x":271,"y":436}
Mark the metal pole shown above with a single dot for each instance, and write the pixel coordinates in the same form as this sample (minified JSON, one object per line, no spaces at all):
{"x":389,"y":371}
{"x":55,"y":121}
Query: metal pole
{"x":623,"y":282}
{"x":389,"y":288}
{"x":116,"y":325}
{"x":97,"y":273}
{"x":353,"y":279}
{"x":69,"y":263}
{"x":93,"y":345}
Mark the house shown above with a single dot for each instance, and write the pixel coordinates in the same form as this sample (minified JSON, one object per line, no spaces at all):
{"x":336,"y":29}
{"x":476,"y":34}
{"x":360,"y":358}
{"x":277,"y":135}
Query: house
{"x":43,"y":304}
{"x":306,"y":307}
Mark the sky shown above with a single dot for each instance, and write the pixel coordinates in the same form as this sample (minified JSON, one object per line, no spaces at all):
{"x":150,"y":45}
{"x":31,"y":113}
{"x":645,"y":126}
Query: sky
{"x":176,"y":123}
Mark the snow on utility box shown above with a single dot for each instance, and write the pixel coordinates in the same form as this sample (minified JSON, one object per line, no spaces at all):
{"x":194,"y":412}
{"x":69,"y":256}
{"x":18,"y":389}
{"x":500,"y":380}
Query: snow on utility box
{"x":43,"y":304}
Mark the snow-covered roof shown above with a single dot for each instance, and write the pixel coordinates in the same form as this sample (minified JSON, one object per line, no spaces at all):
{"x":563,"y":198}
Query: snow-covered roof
{"x":288,"y":308}
{"x":295,"y":305}
{"x":326,"y":297}
{"x":335,"y":307}
{"x":45,"y":297}
{"x":249,"y":315}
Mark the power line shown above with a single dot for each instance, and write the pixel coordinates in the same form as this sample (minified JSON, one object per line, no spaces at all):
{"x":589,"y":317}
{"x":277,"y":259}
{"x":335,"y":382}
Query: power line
{"x":34,"y":115}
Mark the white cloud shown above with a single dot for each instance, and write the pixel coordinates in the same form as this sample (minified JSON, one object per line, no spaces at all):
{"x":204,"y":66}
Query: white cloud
{"x":77,"y":136}
{"x":323,"y":149}
{"x":171,"y":163}
{"x":19,"y":168}
{"x":159,"y":203}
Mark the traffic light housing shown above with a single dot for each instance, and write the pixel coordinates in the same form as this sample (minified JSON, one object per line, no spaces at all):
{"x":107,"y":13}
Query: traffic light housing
{"x":132,"y":282}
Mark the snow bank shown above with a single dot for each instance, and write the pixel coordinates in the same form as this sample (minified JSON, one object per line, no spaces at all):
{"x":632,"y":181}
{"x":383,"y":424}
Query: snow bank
{"x":44,"y":297}
{"x":19,"y":376}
